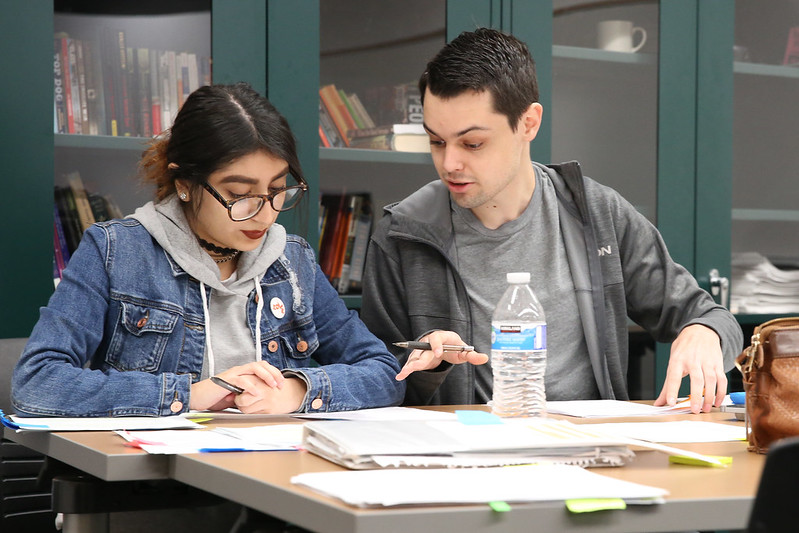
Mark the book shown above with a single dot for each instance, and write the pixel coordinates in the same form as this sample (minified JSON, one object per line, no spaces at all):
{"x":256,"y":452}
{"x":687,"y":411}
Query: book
{"x":342,"y":283}
{"x":60,"y":247}
{"x":363,"y":232}
{"x":398,"y":137}
{"x":68,"y":216}
{"x":792,"y":48}
{"x":84,"y":102}
{"x":328,"y":129}
{"x":366,"y":118}
{"x":155,"y":92}
{"x":82,"y":205}
{"x":337,"y":111}
{"x":94,"y":88}
{"x":329,"y":205}
{"x":370,"y":444}
{"x":59,"y":90}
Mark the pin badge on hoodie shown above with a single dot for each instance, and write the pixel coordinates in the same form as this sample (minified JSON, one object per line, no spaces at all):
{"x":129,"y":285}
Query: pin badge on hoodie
{"x":277,"y":307}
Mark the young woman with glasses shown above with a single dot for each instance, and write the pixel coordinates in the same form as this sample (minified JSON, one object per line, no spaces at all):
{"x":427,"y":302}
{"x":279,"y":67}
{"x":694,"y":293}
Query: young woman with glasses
{"x":200,"y":300}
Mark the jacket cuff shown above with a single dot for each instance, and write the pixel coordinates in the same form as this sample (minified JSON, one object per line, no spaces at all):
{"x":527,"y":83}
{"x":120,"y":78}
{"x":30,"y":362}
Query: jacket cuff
{"x":319,"y":391}
{"x":176,"y":394}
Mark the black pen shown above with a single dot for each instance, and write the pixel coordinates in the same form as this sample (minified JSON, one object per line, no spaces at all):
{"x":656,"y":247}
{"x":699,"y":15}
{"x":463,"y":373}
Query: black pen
{"x":416,"y":345}
{"x":225,"y":385}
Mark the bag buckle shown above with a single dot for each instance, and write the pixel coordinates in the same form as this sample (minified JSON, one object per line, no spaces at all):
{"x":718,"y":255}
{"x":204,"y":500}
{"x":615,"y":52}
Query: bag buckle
{"x":746,"y":366}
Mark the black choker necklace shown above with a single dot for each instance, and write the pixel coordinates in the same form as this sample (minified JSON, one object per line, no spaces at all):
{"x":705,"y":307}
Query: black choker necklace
{"x":217,"y":249}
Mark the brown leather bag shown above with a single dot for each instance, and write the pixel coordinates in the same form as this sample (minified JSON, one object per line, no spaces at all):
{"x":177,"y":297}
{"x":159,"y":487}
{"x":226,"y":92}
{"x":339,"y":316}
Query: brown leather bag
{"x":770,"y":368}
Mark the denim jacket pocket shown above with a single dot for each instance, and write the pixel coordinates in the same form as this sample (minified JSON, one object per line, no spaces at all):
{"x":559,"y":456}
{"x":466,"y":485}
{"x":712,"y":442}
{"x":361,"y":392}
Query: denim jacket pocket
{"x":293,"y":347}
{"x":140,"y":337}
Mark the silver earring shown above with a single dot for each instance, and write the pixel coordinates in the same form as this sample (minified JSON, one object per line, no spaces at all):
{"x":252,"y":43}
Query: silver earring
{"x":183,"y":196}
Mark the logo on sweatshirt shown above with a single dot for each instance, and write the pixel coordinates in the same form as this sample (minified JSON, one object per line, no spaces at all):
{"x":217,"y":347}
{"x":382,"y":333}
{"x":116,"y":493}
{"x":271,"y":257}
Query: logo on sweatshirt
{"x":605,"y":250}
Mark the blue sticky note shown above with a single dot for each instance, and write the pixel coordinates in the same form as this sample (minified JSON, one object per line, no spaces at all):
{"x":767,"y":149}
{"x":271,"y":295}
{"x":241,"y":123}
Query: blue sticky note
{"x":477,"y":418}
{"x":738,"y":398}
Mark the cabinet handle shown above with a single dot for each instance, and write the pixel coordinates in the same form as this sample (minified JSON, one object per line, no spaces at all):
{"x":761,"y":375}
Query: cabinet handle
{"x":720,"y":288}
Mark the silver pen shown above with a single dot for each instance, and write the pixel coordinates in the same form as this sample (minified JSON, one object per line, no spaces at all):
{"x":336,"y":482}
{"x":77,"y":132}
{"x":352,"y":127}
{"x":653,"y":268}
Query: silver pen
{"x":416,"y":345}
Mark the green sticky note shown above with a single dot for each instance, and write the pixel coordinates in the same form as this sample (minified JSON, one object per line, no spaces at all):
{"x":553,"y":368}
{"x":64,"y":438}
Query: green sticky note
{"x":681,"y":459}
{"x":589,"y":505}
{"x":499,"y":507}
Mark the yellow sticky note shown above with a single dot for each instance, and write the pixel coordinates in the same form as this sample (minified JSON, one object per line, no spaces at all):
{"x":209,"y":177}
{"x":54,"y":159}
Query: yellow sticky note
{"x":589,"y":505}
{"x":681,"y":459}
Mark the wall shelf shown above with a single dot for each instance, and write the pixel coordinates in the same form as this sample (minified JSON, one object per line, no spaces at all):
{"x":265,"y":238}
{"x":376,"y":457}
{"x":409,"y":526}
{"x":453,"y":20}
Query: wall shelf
{"x":761,"y":69}
{"x":373,"y":156}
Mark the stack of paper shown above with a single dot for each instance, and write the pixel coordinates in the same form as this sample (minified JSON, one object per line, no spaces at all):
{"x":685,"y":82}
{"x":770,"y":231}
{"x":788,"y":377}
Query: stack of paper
{"x":378,"y":488}
{"x":436,"y":443}
{"x":758,"y":286}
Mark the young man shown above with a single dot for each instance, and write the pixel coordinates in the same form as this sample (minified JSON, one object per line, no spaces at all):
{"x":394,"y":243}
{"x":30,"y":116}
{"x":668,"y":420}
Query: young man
{"x":437,"y":260}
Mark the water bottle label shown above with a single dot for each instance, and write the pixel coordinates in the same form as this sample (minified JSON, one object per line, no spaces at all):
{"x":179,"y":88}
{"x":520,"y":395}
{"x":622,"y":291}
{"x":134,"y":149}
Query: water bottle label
{"x":506,"y":336}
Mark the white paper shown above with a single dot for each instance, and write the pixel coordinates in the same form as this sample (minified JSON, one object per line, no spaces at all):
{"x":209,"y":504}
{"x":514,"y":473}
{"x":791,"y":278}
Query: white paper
{"x":259,"y":438}
{"x":370,"y":488}
{"x":613,"y":408}
{"x":103,"y":424}
{"x":677,"y":431}
{"x":381,"y":413}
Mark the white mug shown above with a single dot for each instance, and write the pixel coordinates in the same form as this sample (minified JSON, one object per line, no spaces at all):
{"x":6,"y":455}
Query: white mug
{"x":617,"y":36}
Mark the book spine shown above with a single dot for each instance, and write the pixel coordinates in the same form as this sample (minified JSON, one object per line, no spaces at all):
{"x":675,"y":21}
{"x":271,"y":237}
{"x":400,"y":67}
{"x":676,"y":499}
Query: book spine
{"x":84,"y":102}
{"x":109,"y":79}
{"x":330,"y":130}
{"x":67,"y":85}
{"x":329,"y":96}
{"x":123,"y":107}
{"x":84,"y":209}
{"x":145,"y":107}
{"x":94,"y":89}
{"x":59,"y":244}
{"x":59,"y":95}
{"x":360,"y":246}
{"x":357,"y":123}
{"x":74,"y":86}
{"x":155,"y":92}
{"x":361,"y":110}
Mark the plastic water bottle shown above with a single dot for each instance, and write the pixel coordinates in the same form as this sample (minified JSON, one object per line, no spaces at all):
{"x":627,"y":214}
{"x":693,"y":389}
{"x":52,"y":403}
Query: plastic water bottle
{"x":519,"y":350}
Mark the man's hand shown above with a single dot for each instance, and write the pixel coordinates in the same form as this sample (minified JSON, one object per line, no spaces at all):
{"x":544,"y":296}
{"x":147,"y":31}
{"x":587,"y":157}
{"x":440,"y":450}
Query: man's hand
{"x":429,"y":359}
{"x":696,"y":352}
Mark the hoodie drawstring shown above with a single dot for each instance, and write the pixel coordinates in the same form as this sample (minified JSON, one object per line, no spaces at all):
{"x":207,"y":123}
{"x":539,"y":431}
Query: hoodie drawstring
{"x":259,"y":307}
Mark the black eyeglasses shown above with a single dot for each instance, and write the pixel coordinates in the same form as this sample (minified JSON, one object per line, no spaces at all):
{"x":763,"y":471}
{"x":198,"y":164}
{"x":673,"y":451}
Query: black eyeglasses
{"x":248,"y":206}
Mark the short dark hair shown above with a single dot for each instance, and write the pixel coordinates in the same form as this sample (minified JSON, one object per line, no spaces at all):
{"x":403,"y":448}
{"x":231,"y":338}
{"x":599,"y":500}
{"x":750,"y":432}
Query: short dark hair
{"x":217,"y":125}
{"x":485,"y":60}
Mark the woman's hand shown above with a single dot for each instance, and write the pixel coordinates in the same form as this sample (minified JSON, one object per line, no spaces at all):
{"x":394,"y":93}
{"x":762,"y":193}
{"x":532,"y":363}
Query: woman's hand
{"x":253,"y":377}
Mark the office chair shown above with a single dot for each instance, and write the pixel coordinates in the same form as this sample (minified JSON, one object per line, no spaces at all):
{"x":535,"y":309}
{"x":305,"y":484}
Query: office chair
{"x":24,"y":502}
{"x":778,"y":492}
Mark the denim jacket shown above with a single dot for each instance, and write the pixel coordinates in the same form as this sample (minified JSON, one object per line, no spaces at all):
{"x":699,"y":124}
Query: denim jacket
{"x":124,"y":334}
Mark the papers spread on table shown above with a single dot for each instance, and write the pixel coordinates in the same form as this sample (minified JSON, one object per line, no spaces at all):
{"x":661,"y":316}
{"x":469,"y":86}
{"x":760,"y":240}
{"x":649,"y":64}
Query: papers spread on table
{"x":613,"y":408}
{"x":379,"y":488}
{"x":436,"y":443}
{"x":275,"y":437}
{"x":378,"y":413}
{"x":385,"y":414}
{"x":674,"y":431}
{"x":20,"y":423}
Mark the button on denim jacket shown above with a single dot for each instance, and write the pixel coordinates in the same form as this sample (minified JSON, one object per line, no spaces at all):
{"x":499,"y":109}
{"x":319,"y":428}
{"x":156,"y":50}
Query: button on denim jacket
{"x":124,"y":334}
